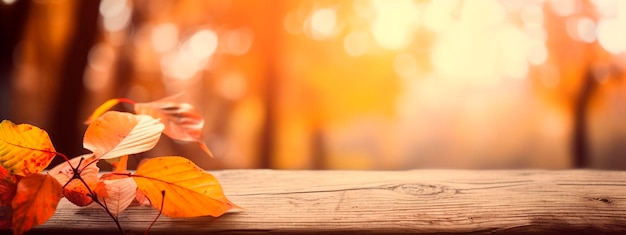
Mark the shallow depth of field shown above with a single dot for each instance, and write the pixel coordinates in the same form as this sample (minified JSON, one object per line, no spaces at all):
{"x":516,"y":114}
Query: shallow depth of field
{"x":334,"y":84}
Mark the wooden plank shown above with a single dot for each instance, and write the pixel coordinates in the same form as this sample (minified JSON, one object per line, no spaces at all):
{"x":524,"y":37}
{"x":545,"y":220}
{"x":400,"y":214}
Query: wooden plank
{"x":417,"y":201}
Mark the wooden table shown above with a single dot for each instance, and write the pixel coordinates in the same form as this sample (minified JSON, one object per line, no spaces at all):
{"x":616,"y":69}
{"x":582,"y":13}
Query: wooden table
{"x":417,"y":201}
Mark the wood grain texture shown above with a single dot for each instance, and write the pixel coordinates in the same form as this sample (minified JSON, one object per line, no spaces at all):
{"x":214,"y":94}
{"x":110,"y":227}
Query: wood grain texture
{"x":417,"y":201}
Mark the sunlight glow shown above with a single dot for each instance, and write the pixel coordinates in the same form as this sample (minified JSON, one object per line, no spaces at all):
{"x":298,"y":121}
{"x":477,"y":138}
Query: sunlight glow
{"x":100,"y":61}
{"x":481,"y":46}
{"x":323,"y":22}
{"x":564,"y":7}
{"x":115,"y":13}
{"x":191,"y":57}
{"x":482,"y":14}
{"x":438,"y":15}
{"x":291,"y":23}
{"x":181,"y":65}
{"x":586,"y":30}
{"x":611,"y":34}
{"x":101,"y":57}
{"x":538,"y":53}
{"x":232,"y":86}
{"x":356,"y":43}
{"x":532,"y":14}
{"x":394,"y":23}
{"x":202,"y":44}
{"x":239,"y":41}
{"x":606,"y":8}
{"x":405,"y":65}
{"x":513,"y":50}
{"x":164,"y":37}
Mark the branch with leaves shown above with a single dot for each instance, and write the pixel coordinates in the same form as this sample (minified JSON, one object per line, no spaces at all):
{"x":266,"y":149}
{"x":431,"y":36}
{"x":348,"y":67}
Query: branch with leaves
{"x":173,"y":185}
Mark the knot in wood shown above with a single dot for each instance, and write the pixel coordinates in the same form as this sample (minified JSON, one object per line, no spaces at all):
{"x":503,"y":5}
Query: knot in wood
{"x":420,"y":189}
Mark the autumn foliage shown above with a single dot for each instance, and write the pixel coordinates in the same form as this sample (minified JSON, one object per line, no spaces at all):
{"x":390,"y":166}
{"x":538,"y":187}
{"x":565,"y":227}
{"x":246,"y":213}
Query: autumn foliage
{"x":172,"y":184}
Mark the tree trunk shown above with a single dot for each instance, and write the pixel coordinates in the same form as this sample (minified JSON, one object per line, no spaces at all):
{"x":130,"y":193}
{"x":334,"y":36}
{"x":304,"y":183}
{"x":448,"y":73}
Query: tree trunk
{"x":66,"y":131}
{"x":580,"y":138}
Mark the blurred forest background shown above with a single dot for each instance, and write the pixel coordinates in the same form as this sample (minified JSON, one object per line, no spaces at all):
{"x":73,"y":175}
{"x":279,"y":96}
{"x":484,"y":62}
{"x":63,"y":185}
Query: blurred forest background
{"x":329,"y":84}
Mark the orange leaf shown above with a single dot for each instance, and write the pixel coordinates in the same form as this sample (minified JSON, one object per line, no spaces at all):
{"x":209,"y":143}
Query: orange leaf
{"x":73,"y":189}
{"x":121,"y":165}
{"x":142,"y":199}
{"x":7,"y":192}
{"x":6,"y":214}
{"x":64,"y":172}
{"x":106,"y":106}
{"x":36,"y":200}
{"x":24,"y":148}
{"x":189,"y":190}
{"x":118,"y":194}
{"x":182,"y":121}
{"x":116,"y":134}
{"x":76,"y":192}
{"x":7,"y":187}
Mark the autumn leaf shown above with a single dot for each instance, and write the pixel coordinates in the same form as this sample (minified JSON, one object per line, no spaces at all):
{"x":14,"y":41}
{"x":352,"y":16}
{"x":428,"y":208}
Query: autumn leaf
{"x":6,"y":181}
{"x":121,"y":165}
{"x":142,"y":199}
{"x":189,"y":190}
{"x":77,"y":193}
{"x":116,"y":193}
{"x":106,"y":106}
{"x":35,"y":201}
{"x":24,"y":148}
{"x":116,"y":134}
{"x":74,"y":189}
{"x":64,"y":172}
{"x":182,"y":121}
{"x":7,"y":192}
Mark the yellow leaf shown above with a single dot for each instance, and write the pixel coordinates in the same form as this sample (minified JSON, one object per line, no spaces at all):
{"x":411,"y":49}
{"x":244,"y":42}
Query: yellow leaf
{"x":189,"y":190}
{"x":116,"y":134}
{"x":24,"y":148}
{"x":35,"y":202}
{"x":106,"y":106}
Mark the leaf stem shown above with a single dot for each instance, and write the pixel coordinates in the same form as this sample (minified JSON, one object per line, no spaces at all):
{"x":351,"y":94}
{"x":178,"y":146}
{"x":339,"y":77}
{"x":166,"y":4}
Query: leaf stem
{"x":94,"y":197}
{"x":159,"y":215}
{"x":117,"y":222}
{"x":126,"y":100}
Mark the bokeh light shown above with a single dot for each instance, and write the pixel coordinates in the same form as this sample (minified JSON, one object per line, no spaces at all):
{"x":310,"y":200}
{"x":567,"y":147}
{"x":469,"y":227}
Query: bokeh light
{"x":115,"y":14}
{"x":323,"y":22}
{"x":164,"y":37}
{"x":370,"y":84}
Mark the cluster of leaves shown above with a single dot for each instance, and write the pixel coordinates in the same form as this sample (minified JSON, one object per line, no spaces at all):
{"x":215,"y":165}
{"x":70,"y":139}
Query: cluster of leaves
{"x":173,"y":185}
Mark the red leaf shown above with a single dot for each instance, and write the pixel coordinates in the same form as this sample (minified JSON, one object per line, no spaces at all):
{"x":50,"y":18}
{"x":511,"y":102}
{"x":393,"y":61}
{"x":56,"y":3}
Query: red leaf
{"x":182,"y":121}
{"x":7,"y":192}
{"x":35,"y":202}
{"x":75,"y":191}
